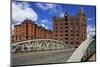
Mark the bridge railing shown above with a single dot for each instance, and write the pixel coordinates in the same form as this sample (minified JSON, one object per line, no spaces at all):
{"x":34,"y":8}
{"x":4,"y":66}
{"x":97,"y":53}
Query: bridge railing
{"x":37,"y":45}
{"x":86,"y":49}
{"x":89,"y":51}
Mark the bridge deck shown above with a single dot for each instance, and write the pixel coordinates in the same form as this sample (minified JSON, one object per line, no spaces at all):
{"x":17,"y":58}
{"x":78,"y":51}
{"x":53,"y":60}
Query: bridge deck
{"x":42,"y":57}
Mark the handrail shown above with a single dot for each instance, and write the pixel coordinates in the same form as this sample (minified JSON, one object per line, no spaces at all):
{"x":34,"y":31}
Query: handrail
{"x":79,"y":52}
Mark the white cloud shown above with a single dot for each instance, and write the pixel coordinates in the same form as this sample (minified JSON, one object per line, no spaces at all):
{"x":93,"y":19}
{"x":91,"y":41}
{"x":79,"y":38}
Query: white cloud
{"x":91,"y":18}
{"x":53,"y":9}
{"x":44,"y":26}
{"x":21,"y":11}
{"x":61,"y":14}
{"x":90,"y":31}
{"x":45,"y":6}
{"x":45,"y":21}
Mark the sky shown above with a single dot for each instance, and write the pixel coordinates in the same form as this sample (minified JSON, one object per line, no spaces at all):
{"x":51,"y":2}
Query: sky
{"x":42,"y":13}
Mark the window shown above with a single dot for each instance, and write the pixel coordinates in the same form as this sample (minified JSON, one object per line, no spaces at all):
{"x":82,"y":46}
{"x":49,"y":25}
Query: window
{"x":66,"y":30}
{"x":71,"y":34}
{"x":71,"y":38}
{"x":66,"y":38}
{"x":66,"y":34}
{"x":77,"y":43}
{"x":66,"y":27}
{"x":71,"y":23}
{"x":60,"y":27}
{"x":76,"y":38}
{"x":26,"y":37}
{"x":66,"y":23}
{"x":77,"y":23}
{"x":84,"y":24}
{"x":77,"y":31}
{"x":66,"y":42}
{"x":56,"y":35}
{"x":77,"y":34}
{"x":71,"y":43}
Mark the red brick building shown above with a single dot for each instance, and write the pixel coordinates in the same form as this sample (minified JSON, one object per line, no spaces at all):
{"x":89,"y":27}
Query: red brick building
{"x":70,"y":29}
{"x":28,"y":30}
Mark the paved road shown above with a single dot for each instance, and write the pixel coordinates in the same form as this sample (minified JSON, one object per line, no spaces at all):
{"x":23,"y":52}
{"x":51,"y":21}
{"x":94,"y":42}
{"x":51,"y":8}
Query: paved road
{"x":42,"y":57}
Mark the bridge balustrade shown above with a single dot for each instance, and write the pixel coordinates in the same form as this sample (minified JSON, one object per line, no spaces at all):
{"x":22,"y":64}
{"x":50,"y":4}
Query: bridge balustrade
{"x":84,"y":51}
{"x":89,"y":51}
{"x":38,"y":45}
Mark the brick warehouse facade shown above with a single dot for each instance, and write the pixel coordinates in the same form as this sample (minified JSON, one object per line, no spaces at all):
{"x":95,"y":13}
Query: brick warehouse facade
{"x":28,"y":30}
{"x":71,"y":29}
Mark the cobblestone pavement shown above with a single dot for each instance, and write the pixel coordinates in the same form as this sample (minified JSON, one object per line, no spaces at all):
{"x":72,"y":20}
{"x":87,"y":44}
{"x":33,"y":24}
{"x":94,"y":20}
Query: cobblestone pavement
{"x":42,"y":57}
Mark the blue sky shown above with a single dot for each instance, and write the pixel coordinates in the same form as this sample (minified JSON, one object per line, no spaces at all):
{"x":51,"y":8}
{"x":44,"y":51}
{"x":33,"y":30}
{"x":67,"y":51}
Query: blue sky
{"x":42,"y":13}
{"x":60,"y":9}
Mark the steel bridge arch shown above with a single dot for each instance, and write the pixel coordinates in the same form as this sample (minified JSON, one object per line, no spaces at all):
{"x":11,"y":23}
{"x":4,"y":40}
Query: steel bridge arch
{"x":37,"y":45}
